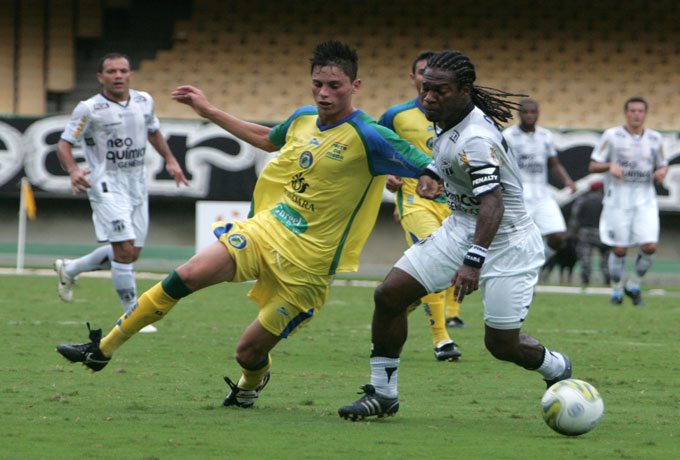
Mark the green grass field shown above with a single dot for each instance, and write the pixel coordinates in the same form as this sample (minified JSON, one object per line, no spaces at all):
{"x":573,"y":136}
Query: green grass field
{"x":160,"y":397}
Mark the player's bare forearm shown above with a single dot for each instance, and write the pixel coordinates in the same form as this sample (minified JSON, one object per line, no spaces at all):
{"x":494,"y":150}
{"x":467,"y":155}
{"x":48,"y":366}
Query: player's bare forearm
{"x":558,"y":171}
{"x":491,"y":211}
{"x":78,"y":176}
{"x":171,"y":164}
{"x":65,"y":155}
{"x":660,"y":173}
{"x":597,"y":166}
{"x":252,"y":133}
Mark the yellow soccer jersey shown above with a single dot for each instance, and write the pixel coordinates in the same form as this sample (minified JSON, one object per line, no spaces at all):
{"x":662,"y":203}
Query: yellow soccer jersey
{"x":409,"y":122}
{"x":319,"y":198}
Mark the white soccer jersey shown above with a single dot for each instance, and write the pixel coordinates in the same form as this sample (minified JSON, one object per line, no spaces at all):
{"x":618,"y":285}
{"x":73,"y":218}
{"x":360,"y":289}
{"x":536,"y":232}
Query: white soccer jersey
{"x":639,"y":156}
{"x":472,"y":158}
{"x":115,"y":136}
{"x":532,"y":151}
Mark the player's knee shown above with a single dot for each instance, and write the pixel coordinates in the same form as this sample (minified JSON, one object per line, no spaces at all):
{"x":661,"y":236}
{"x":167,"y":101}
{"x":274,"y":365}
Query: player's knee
{"x":124,"y":252}
{"x":648,"y":248}
{"x":249,"y":354}
{"x":556,"y":240}
{"x":499,"y":348}
{"x":620,"y":252}
{"x":388,"y":300}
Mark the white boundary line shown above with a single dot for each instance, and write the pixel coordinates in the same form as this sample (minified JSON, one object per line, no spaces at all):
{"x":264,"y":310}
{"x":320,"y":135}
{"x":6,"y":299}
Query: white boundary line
{"x":549,"y":289}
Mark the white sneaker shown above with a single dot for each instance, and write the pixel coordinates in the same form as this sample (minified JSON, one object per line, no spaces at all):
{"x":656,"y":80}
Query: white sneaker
{"x":148,"y":329}
{"x":65,"y":282}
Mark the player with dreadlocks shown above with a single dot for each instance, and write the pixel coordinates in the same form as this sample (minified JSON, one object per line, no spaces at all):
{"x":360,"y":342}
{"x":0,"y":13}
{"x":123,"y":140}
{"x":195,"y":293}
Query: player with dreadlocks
{"x":489,"y":241}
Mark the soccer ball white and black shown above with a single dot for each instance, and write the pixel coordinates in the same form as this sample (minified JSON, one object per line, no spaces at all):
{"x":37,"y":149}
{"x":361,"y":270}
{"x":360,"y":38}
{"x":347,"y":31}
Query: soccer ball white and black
{"x":572,"y":407}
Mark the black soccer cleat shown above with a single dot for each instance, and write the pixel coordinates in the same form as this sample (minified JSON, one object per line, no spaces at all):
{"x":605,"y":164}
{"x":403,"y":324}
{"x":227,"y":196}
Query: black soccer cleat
{"x":447,"y":352}
{"x":243,"y":398}
{"x":88,"y":354}
{"x":368,"y":405}
{"x":456,"y":321}
{"x":636,"y":296}
{"x":564,"y":375}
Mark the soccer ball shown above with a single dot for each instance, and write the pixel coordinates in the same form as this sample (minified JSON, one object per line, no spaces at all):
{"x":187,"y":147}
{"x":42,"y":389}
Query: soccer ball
{"x":572,"y":407}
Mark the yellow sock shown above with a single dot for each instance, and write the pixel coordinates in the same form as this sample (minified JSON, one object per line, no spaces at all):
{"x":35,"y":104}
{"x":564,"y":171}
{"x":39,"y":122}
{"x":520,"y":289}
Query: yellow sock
{"x":452,"y":307}
{"x":151,"y":307}
{"x":434,"y":309}
{"x":251,"y":378}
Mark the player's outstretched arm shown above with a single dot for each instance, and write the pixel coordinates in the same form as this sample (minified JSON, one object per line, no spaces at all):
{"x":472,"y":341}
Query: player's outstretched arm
{"x":78,"y":176}
{"x":171,"y":165}
{"x":252,"y":133}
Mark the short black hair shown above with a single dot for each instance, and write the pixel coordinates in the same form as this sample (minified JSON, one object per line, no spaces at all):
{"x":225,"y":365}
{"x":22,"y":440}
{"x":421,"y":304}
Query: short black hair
{"x":528,"y":101}
{"x":635,"y":99}
{"x":422,"y":56}
{"x":111,"y":56}
{"x":336,"y":54}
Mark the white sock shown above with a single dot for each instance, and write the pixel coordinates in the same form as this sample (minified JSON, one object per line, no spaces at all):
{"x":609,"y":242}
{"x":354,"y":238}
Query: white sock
{"x":99,"y":259}
{"x":124,"y":283}
{"x":553,"y":364}
{"x":384,"y":375}
{"x":633,"y":283}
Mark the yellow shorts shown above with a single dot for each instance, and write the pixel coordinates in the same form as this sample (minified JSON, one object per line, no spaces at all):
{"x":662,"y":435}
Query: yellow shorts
{"x":421,"y":222}
{"x":288,"y":296}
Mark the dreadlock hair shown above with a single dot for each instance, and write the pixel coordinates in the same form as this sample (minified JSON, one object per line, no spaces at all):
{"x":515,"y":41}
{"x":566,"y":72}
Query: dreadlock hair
{"x":336,"y":54}
{"x":423,"y":55}
{"x":108,"y":56}
{"x":493,"y":102}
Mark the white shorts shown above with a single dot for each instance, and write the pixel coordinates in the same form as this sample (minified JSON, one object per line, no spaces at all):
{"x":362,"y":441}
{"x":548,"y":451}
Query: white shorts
{"x":116,"y":219}
{"x":508,"y":275}
{"x":629,"y":227}
{"x":547,"y":215}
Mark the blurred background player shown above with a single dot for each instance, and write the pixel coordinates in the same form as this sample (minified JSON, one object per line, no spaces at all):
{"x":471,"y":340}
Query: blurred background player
{"x":584,"y":226}
{"x":632,"y":157}
{"x":419,"y":216}
{"x":314,"y":206}
{"x":489,"y":241}
{"x":533,"y":148}
{"x":113,"y":127}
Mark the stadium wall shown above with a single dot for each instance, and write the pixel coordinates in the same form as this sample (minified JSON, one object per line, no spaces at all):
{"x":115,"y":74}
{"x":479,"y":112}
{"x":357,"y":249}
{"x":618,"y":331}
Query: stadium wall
{"x":221,"y":167}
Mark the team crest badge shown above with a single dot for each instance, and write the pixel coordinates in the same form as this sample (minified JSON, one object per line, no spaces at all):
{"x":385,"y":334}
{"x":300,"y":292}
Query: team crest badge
{"x":430,"y":143}
{"x":306,"y":160}
{"x":237,"y":240}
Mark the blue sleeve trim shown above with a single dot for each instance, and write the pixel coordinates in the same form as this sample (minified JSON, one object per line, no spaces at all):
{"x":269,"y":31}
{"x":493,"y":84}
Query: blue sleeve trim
{"x":386,"y":152}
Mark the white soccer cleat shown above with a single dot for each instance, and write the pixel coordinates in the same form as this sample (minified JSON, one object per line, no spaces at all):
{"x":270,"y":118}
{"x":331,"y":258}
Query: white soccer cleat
{"x":148,"y":329}
{"x":64,"y":282}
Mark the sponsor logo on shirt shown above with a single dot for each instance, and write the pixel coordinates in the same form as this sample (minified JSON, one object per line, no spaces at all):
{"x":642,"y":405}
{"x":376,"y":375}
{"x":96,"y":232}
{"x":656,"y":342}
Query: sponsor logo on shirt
{"x":139,"y":98}
{"x":337,"y":152}
{"x":290,"y":218}
{"x":314,"y":141}
{"x":461,"y":202}
{"x":122,"y":154}
{"x":237,"y":240}
{"x":454,"y":136}
{"x":283,"y":311}
{"x":100,"y":106}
